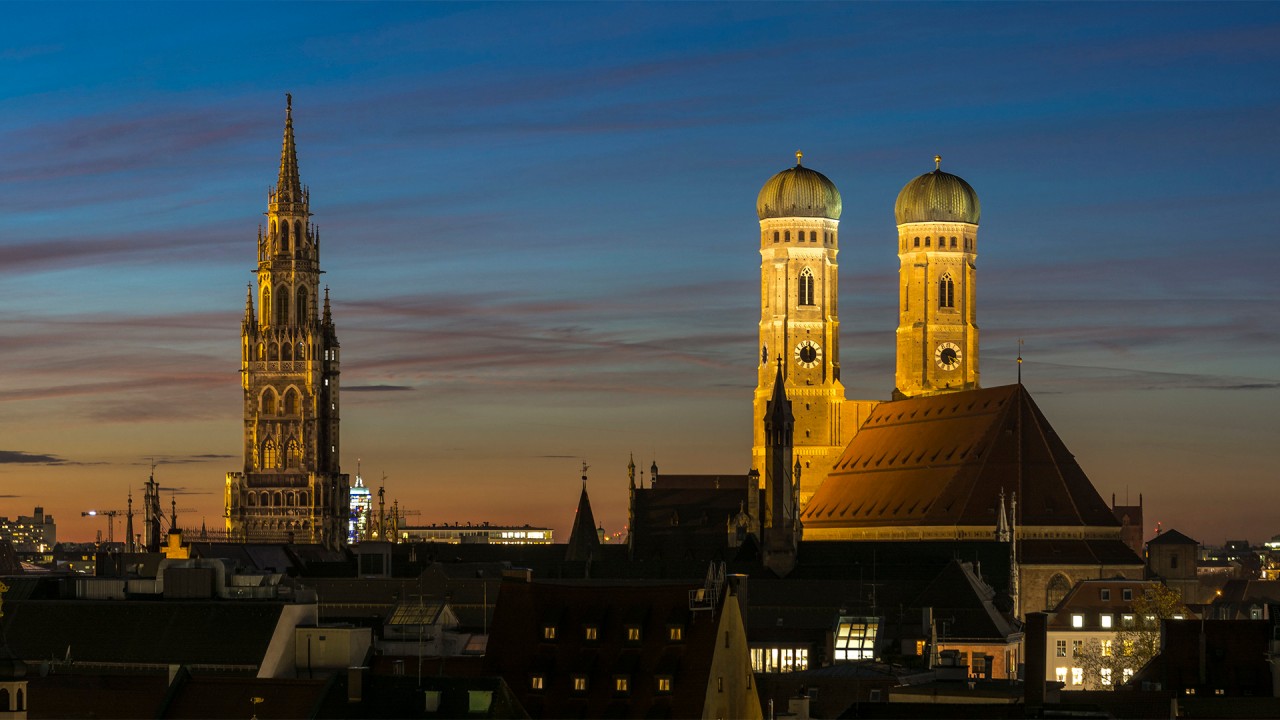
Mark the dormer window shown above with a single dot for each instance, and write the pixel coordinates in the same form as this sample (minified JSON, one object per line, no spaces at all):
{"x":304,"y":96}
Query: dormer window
{"x":675,"y":633}
{"x":1077,"y":620}
{"x":592,"y":633}
{"x":633,"y":633}
{"x":548,"y":632}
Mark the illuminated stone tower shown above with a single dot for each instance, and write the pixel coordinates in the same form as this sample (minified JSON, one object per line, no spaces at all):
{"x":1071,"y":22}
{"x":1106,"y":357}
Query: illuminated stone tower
{"x":799,"y":212}
{"x":291,"y":489}
{"x":937,"y":216}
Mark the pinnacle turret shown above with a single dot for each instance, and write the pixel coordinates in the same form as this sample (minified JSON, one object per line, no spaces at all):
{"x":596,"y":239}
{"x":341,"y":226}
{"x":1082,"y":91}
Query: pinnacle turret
{"x":289,"y":185}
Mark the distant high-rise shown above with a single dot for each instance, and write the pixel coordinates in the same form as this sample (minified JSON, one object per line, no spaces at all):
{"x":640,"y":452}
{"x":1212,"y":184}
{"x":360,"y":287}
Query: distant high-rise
{"x":291,"y":488}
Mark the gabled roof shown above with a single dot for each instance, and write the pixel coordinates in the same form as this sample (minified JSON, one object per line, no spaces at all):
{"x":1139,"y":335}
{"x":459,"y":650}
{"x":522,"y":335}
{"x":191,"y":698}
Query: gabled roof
{"x":1172,"y":537}
{"x":142,"y":632}
{"x":943,"y":460}
{"x":519,"y":648}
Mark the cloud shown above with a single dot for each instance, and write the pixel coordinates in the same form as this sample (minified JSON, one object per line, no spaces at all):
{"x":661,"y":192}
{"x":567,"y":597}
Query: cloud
{"x":377,"y":388}
{"x":17,"y":457}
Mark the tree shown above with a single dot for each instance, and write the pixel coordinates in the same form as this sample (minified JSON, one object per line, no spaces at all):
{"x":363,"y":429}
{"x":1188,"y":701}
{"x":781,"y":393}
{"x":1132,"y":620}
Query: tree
{"x":1110,"y":662}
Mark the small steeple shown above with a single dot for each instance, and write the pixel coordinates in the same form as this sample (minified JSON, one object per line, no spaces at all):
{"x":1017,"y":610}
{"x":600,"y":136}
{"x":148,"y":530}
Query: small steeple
{"x":583,"y":539}
{"x":799,"y":156}
{"x":631,"y":470}
{"x":779,"y":408}
{"x":328,"y":316}
{"x":248,"y":306}
{"x":937,"y":163}
{"x":289,"y":186}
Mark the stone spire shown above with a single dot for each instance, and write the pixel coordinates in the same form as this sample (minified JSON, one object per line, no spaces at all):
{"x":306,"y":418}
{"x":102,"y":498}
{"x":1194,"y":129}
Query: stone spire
{"x":328,"y":315}
{"x":289,"y":186}
{"x":249,"y":320}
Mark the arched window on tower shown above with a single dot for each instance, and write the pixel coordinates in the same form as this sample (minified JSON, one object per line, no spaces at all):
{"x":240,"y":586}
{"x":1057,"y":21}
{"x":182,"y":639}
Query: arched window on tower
{"x":302,"y":314}
{"x":270,"y":455}
{"x":286,"y":351}
{"x":813,"y":236}
{"x":297,"y":232}
{"x":293,"y":458}
{"x":267,"y":405}
{"x":946,"y":292}
{"x":273,"y":352}
{"x":806,"y":287}
{"x":282,"y":305}
{"x":264,"y":306}
{"x":291,"y":402}
{"x":284,"y":236}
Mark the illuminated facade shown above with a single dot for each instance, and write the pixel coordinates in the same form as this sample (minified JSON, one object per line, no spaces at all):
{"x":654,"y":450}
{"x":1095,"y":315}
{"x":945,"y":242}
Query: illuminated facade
{"x":799,"y":211}
{"x":484,"y":534}
{"x":30,"y":533}
{"x":291,"y":488}
{"x":937,"y":215}
{"x":361,"y":511}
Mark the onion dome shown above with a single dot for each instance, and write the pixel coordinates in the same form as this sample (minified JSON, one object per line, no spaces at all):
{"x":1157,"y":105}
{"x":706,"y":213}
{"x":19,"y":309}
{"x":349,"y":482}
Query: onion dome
{"x":937,"y":197}
{"x":798,"y":192}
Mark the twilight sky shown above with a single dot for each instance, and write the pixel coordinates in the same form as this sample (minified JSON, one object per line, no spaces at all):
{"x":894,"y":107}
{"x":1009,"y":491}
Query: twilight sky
{"x":538,"y":227}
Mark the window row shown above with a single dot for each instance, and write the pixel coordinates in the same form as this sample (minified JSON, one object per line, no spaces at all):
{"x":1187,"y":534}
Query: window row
{"x":266,"y":498}
{"x":1106,"y":621}
{"x":621,"y":683}
{"x":274,"y":459}
{"x":1103,"y":677}
{"x":943,"y":243}
{"x":287,"y":352}
{"x":785,"y":236}
{"x":270,"y":404}
{"x":279,"y":312}
{"x":779,"y":659}
{"x":286,"y":234}
{"x":675,"y":633}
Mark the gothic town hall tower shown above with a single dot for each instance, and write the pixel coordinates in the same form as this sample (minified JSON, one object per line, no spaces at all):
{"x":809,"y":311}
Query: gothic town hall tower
{"x":291,"y":488}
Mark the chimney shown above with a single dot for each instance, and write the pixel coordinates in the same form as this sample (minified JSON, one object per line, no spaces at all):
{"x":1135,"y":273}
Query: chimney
{"x":1034,"y":645}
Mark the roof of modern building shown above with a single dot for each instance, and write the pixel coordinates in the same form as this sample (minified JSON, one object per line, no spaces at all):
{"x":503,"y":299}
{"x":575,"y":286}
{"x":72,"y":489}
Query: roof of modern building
{"x":945,"y":460}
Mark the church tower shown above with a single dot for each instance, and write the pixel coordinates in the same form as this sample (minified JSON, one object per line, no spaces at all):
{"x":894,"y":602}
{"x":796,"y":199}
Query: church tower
{"x":937,"y":216}
{"x":799,"y":212}
{"x":291,"y":488}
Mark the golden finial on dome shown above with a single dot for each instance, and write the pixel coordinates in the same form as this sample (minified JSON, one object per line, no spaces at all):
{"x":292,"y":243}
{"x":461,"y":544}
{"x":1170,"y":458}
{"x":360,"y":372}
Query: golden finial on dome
{"x":798,"y":156}
{"x":937,"y":162}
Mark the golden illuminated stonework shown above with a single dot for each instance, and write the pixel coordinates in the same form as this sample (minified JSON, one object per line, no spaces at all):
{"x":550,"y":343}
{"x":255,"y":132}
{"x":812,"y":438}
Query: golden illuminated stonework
{"x":291,"y":488}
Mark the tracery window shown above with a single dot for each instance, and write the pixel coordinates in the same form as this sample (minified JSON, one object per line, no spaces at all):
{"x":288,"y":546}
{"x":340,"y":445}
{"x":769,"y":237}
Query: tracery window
{"x":270,"y":454}
{"x":267,"y":406}
{"x":1057,"y":589}
{"x":806,"y":287}
{"x":282,"y":305}
{"x":291,"y":402}
{"x":302,"y":314}
{"x":293,"y":458}
{"x":946,"y":292}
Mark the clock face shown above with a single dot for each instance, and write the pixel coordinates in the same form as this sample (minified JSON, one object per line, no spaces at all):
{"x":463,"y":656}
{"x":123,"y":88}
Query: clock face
{"x":947,"y":356}
{"x":808,"y":353}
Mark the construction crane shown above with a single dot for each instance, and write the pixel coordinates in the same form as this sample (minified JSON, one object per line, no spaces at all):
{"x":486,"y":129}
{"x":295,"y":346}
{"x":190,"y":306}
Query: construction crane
{"x":110,"y":515}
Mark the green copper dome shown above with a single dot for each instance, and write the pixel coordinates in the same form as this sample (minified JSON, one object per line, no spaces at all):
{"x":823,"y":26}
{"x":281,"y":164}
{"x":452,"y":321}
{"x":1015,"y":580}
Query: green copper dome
{"x":798,"y":192}
{"x":937,"y":197}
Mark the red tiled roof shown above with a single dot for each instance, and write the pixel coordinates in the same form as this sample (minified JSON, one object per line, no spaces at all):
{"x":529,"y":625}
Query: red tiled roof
{"x":943,"y":460}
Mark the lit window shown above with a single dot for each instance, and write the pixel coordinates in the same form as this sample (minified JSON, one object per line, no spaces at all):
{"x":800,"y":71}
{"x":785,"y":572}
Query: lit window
{"x":1077,"y":676}
{"x":1126,"y":647}
{"x":591,"y":632}
{"x":620,"y":684}
{"x":1060,"y":648}
{"x":1106,"y":622}
{"x":919,"y":648}
{"x":548,"y":632}
{"x":664,"y":684}
{"x":1076,"y":647}
{"x":1126,"y":620}
{"x":1125,"y":674}
{"x":1106,"y":648}
{"x":1077,"y":621}
{"x":633,"y":633}
{"x":856,"y":638}
{"x":677,"y":633}
{"x":1106,"y":676}
{"x":1060,"y":674}
{"x":535,"y":682}
{"x":580,"y":683}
